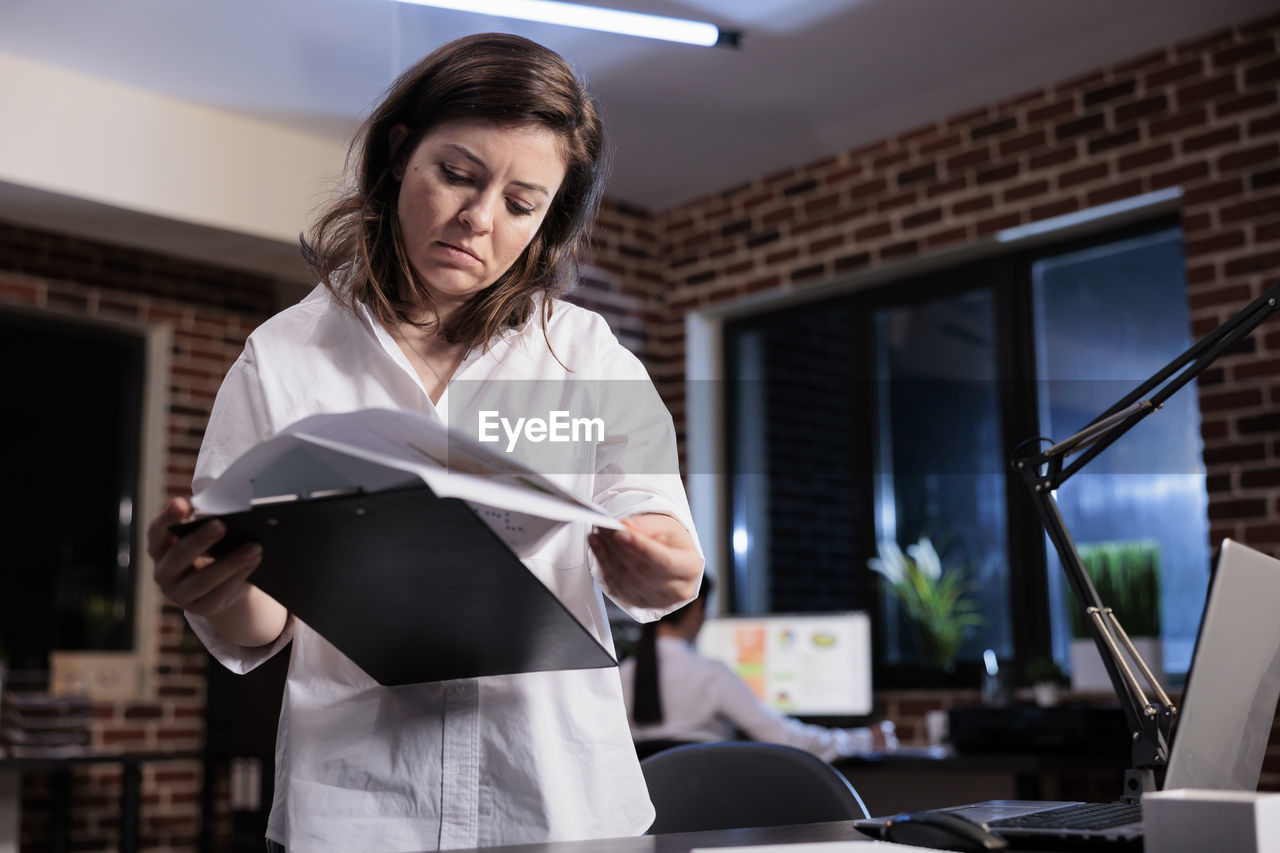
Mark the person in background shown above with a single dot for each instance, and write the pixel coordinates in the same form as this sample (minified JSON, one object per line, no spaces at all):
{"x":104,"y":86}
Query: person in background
{"x":476,"y":182}
{"x":674,"y":694}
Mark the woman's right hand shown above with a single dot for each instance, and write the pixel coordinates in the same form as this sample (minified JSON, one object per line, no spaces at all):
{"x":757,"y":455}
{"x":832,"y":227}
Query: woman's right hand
{"x":187,"y":575}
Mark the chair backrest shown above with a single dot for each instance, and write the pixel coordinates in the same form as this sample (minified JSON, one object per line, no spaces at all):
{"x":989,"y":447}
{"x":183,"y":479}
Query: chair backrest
{"x":740,"y":784}
{"x":645,"y":748}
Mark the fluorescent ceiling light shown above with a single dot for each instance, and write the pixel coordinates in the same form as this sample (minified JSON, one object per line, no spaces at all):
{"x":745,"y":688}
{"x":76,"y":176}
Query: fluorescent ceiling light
{"x":593,"y":18}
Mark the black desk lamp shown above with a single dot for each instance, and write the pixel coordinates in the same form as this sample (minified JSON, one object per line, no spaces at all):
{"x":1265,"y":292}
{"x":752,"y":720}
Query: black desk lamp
{"x":1150,"y":720}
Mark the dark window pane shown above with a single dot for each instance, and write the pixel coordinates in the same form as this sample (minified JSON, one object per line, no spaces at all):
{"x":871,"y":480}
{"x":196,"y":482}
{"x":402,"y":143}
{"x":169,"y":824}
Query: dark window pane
{"x":796,"y":494}
{"x":939,"y":468}
{"x":72,"y":419}
{"x":1106,"y":318}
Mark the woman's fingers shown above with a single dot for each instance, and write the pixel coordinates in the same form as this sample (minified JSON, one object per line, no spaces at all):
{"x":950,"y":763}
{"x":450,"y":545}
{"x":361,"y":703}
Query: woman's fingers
{"x":199,"y":583}
{"x":231,"y":588}
{"x":183,"y":553}
{"x":639,"y":569}
{"x":159,"y":536}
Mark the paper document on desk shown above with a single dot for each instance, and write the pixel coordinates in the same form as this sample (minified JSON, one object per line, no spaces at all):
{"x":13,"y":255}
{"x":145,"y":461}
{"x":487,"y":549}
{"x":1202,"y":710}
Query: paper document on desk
{"x":820,"y":847}
{"x":378,"y":449}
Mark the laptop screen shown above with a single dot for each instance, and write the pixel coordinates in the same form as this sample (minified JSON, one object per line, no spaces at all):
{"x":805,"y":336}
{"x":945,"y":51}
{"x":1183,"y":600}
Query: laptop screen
{"x":1230,"y":698}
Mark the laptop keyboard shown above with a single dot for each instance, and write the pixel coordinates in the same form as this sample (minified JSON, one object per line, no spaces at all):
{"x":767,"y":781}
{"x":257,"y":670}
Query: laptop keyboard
{"x":1076,"y":816}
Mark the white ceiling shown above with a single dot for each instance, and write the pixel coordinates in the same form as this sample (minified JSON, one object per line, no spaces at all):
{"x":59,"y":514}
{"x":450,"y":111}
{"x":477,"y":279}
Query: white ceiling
{"x":811,"y":77}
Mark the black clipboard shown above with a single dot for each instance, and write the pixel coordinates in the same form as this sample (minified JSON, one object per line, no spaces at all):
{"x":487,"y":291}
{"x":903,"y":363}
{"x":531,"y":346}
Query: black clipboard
{"x":410,"y":586}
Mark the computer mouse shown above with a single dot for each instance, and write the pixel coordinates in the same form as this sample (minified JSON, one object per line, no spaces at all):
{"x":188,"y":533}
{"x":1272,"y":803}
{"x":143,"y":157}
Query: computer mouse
{"x":941,"y":831}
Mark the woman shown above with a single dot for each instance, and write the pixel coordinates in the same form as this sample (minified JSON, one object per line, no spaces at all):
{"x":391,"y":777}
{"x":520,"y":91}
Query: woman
{"x":476,"y":181}
{"x":674,"y":695}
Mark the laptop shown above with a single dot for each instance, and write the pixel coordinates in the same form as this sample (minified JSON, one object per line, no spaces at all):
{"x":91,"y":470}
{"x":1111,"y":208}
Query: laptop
{"x":1222,"y":728}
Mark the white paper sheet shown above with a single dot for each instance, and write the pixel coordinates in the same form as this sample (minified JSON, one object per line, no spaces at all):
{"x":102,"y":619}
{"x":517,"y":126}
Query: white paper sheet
{"x":820,"y":847}
{"x":377,"y":449}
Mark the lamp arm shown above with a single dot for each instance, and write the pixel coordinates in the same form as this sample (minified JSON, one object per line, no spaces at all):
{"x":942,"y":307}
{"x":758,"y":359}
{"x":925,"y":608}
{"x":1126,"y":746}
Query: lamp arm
{"x":1150,"y":721}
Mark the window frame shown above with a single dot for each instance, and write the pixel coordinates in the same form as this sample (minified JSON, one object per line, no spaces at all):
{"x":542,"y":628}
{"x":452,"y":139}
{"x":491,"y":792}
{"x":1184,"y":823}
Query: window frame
{"x":126,"y":675}
{"x":1002,"y":266}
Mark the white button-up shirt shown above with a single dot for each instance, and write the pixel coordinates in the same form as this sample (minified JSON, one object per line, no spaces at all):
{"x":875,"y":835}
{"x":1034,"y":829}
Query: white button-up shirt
{"x":497,"y":760}
{"x":703,"y":700}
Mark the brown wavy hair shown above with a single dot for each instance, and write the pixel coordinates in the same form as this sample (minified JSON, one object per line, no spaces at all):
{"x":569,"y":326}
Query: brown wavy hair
{"x":356,"y":248}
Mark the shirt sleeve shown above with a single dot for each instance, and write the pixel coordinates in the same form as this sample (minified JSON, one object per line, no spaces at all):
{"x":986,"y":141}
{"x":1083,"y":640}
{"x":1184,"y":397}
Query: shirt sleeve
{"x":735,"y":701}
{"x":239,"y":421}
{"x":637,"y":467}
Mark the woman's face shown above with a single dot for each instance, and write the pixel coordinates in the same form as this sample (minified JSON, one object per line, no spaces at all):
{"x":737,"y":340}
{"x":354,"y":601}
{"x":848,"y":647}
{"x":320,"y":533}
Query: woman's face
{"x":472,"y":196}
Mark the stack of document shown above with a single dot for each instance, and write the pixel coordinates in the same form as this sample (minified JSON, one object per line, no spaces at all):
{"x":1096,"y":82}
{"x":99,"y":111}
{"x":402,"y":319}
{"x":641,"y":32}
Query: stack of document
{"x":373,"y":450}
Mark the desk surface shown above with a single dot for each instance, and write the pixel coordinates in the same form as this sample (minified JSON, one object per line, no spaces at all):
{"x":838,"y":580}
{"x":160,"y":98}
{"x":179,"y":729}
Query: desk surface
{"x":683,"y":842}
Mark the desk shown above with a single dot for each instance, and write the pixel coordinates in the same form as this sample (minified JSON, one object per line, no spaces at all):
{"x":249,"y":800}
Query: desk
{"x":683,"y":842}
{"x":914,"y":780}
{"x":12,"y":768}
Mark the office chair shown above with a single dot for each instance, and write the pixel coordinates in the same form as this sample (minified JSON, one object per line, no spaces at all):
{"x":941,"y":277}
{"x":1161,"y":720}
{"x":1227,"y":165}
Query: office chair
{"x":645,"y":748}
{"x":739,"y":784}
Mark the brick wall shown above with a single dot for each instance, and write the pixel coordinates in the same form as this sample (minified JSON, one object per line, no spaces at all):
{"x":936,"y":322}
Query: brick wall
{"x":1202,"y":116}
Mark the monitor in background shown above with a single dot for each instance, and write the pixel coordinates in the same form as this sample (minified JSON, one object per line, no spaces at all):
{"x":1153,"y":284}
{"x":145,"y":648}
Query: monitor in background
{"x":804,"y":665}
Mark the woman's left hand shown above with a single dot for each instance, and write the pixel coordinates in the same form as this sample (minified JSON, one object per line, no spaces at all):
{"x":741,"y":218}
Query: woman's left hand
{"x":652,"y":563}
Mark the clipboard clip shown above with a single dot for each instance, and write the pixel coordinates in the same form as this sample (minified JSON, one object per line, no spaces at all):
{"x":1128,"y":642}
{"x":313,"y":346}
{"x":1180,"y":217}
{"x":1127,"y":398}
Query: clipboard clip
{"x":317,"y":494}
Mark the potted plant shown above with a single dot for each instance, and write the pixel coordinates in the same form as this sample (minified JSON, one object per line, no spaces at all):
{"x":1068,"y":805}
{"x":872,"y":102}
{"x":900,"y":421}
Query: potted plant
{"x":1127,"y":577}
{"x":934,"y":598}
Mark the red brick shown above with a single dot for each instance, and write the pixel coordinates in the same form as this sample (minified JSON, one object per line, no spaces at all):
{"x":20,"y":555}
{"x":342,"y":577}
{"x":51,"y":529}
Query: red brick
{"x":1054,"y":157}
{"x":1261,"y":262}
{"x":1193,"y":223}
{"x":1238,"y":399}
{"x":1145,"y":157}
{"x":1114,"y":192}
{"x":1239,"y":53}
{"x":893,"y":158}
{"x":939,"y":188}
{"x":1203,"y":90}
{"x":873,"y":231}
{"x":1265,"y":125}
{"x":1259,"y":74}
{"x":1058,"y":207}
{"x":1254,"y":208}
{"x":1025,"y":191}
{"x":1173,"y":73}
{"x":1230,"y":295}
{"x":1217,"y":136}
{"x":1050,"y":111}
{"x":1024,"y":142}
{"x":1143,"y":108}
{"x":1215,"y":243}
{"x":1179,"y":175}
{"x":1245,"y":103}
{"x":1254,"y":369}
{"x":972,"y":157}
{"x":973,"y":204}
{"x":1085,"y":174}
{"x":781,"y":256}
{"x":997,"y":223}
{"x":896,"y":201}
{"x":922,"y":217}
{"x":942,"y":238}
{"x":871,"y":187}
{"x":819,"y":246}
{"x":1238,"y":508}
{"x":1178,"y":122}
{"x":1203,"y":193}
{"x":1257,"y":155}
